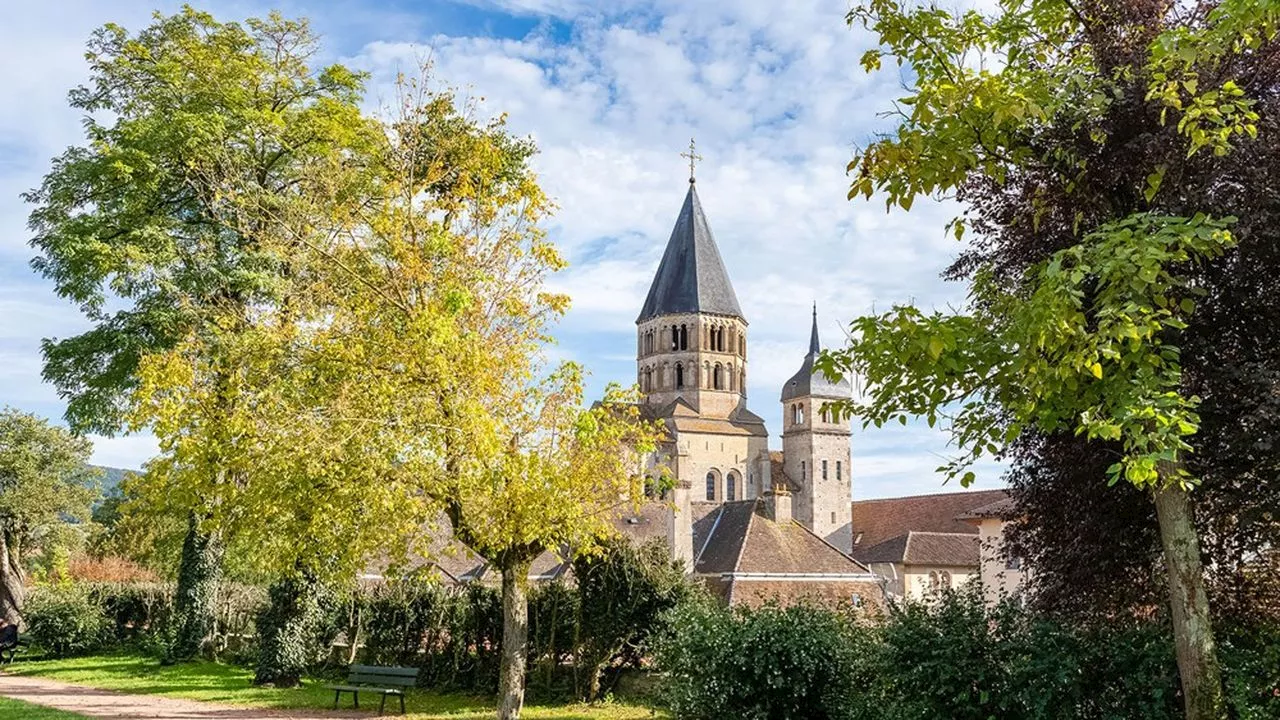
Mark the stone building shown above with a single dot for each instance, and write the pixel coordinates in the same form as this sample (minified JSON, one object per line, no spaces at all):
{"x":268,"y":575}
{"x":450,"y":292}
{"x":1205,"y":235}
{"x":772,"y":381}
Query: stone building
{"x":750,"y":522}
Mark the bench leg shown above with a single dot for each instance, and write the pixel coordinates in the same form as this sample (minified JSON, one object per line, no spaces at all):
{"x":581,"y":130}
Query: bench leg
{"x":401,"y":703}
{"x":336,"y":693}
{"x":382,"y":706}
{"x":356,"y":698}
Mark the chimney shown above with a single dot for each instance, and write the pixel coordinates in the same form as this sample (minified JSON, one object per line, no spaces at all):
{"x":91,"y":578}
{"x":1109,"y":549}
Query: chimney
{"x":777,"y":505}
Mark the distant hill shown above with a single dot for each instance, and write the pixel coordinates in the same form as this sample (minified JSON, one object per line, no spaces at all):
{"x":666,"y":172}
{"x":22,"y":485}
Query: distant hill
{"x":111,"y":477}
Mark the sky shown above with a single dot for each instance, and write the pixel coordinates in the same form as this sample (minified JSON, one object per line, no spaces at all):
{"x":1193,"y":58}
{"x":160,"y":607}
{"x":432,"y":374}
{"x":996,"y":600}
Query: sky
{"x":611,"y":92}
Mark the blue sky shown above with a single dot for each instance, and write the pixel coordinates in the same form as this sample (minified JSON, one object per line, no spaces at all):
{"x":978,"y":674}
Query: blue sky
{"x":612,"y":92}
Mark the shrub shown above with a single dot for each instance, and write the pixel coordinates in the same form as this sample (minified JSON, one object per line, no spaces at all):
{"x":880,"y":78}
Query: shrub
{"x":624,"y":592}
{"x":64,"y":619}
{"x":800,"y":662}
{"x":294,"y":630}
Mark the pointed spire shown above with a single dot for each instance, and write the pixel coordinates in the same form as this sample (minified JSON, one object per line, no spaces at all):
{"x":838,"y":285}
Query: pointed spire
{"x":806,"y":382}
{"x":814,"y":346}
{"x":691,"y":277}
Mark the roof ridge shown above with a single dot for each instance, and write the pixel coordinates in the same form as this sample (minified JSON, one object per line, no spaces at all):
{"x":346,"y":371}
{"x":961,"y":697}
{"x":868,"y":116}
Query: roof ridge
{"x":930,"y":495}
{"x":823,"y":540}
{"x":941,"y":532}
{"x":746,"y":533}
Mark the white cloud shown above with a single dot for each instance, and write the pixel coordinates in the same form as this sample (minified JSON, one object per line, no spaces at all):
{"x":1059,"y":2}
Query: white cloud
{"x":772,"y":91}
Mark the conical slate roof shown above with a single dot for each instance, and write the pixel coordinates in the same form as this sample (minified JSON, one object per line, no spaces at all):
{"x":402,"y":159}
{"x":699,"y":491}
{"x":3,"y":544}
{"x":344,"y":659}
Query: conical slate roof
{"x":805,"y":382}
{"x":691,"y":277}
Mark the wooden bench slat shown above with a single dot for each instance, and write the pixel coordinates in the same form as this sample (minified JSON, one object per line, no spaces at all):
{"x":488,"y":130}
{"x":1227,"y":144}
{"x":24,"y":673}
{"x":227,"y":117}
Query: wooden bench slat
{"x":380,"y":680}
{"x":378,"y":670}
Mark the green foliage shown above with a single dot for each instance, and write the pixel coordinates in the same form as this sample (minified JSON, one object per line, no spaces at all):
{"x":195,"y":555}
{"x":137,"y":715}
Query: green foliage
{"x":295,"y":629}
{"x":453,"y":635}
{"x":624,"y":591}
{"x":1251,"y":670}
{"x":65,"y":619}
{"x":955,"y":658}
{"x":1086,"y":348}
{"x":194,"y":603}
{"x":44,"y":484}
{"x":798,"y":663}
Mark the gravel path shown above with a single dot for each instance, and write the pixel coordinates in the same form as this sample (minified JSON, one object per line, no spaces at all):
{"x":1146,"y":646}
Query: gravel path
{"x":95,"y":702}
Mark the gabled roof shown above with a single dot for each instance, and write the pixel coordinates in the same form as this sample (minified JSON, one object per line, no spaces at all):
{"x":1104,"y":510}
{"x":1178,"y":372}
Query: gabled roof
{"x":926,"y":548}
{"x":806,"y":383}
{"x":875,"y":521}
{"x":691,"y":277}
{"x":740,"y":539}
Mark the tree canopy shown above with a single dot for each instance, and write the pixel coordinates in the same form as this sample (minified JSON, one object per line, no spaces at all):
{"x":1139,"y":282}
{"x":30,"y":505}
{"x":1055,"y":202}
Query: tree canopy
{"x":45,"y":481}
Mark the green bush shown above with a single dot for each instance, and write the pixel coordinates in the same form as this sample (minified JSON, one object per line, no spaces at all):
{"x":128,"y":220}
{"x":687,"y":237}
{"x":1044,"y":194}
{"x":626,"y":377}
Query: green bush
{"x":953,"y":657}
{"x":799,"y":663}
{"x":65,"y":619}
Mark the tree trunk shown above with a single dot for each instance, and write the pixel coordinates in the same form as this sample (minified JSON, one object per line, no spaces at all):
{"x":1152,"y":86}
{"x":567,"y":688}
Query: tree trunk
{"x":1189,"y":605}
{"x":13,"y":592}
{"x":196,"y":595}
{"x":515,"y":638}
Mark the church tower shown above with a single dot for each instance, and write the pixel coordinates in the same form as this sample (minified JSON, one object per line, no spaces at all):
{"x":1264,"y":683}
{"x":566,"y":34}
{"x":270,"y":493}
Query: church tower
{"x":815,"y":448}
{"x":691,"y":363}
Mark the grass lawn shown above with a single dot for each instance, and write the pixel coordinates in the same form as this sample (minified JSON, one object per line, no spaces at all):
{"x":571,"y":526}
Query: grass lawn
{"x":18,"y":709}
{"x":228,"y":684}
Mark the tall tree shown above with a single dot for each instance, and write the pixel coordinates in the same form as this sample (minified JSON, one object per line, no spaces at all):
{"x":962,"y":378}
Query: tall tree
{"x":1083,"y":340}
{"x":44,"y":482}
{"x":191,"y":126}
{"x":398,"y":379}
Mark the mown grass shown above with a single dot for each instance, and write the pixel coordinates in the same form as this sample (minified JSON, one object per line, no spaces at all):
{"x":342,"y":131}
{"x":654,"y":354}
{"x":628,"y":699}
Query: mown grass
{"x":228,"y":684}
{"x":14,"y":709}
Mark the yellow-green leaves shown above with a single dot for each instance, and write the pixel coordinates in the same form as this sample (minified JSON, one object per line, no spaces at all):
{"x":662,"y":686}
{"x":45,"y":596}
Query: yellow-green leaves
{"x":1086,"y":348}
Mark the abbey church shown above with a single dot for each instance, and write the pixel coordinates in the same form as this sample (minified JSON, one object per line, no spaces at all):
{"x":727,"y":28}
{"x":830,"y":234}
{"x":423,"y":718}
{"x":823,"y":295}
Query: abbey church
{"x":746,"y":519}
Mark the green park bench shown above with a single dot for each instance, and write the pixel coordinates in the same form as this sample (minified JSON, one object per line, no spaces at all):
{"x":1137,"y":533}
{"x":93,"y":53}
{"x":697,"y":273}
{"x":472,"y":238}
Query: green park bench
{"x":375,"y":679}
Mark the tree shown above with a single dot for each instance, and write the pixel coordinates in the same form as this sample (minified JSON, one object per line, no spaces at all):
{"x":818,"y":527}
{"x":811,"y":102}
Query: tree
{"x":191,"y":125}
{"x":44,"y":483}
{"x":398,"y":377}
{"x":1084,"y":340}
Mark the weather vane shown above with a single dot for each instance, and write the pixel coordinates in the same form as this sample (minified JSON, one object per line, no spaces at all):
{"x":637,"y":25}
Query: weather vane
{"x":693,"y":158}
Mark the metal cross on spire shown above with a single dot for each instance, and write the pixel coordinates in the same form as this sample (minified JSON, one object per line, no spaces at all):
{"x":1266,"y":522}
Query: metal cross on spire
{"x":693,"y":158}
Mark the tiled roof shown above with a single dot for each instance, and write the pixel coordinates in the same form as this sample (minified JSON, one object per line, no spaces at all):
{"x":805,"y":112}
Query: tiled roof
{"x":1004,"y":509}
{"x":926,"y":548}
{"x":875,"y":521}
{"x":648,"y":523}
{"x":739,"y":539}
{"x":778,"y":475}
{"x":691,"y":276}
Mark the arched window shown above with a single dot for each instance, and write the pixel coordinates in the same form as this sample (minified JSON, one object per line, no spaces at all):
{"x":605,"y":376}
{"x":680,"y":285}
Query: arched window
{"x":711,"y":486}
{"x":684,"y":337}
{"x":648,"y":379}
{"x":733,"y":379}
{"x":706,"y":375}
{"x":716,"y":381}
{"x":731,"y":487}
{"x":679,"y":375}
{"x":933,"y":581}
{"x":742,"y":346}
{"x":662,"y":376}
{"x":675,"y":337}
{"x":800,"y":414}
{"x":720,"y":347}
{"x":944,"y":580}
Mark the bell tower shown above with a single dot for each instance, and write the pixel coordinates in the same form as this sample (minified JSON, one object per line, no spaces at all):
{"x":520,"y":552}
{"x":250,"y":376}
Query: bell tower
{"x":691,"y":365}
{"x":815,"y":448}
